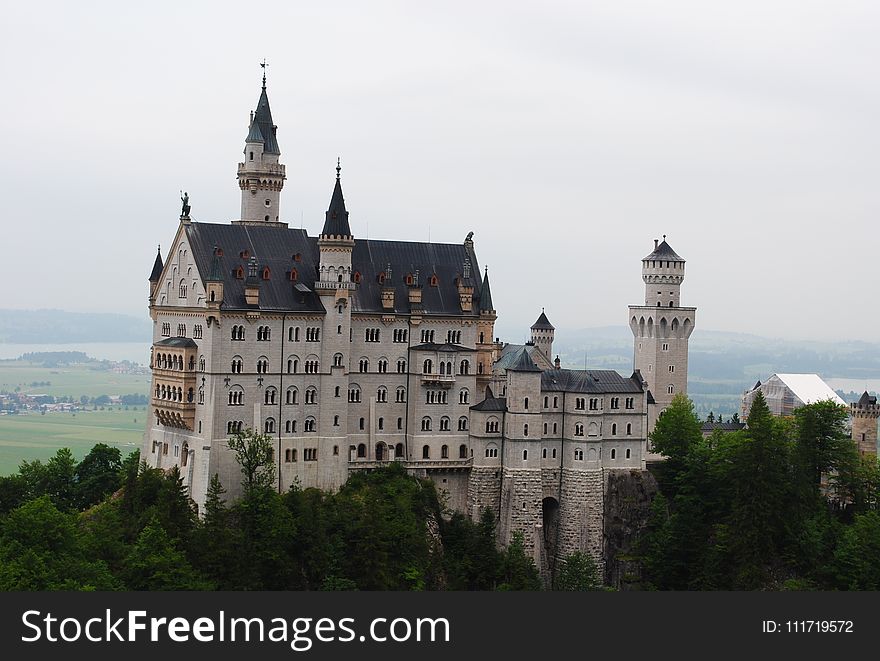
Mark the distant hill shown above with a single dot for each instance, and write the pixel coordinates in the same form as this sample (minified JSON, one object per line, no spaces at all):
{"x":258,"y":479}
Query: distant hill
{"x":60,"y":327}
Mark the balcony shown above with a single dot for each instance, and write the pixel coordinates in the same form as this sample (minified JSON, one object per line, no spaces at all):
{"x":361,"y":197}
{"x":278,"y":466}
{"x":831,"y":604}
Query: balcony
{"x":180,"y":415}
{"x":442,"y":380}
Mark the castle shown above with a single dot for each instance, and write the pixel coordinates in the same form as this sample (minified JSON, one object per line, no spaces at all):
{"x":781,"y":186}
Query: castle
{"x":352,"y":353}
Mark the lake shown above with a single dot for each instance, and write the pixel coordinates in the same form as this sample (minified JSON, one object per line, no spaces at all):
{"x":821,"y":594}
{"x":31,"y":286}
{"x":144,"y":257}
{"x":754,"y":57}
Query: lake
{"x":136,"y":352}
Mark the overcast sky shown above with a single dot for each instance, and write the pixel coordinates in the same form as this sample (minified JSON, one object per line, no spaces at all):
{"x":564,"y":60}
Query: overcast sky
{"x":565,"y":135}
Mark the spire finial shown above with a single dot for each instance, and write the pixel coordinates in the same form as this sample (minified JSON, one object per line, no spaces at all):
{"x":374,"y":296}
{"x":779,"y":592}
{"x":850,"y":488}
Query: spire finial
{"x":338,"y":168}
{"x":264,"y":64}
{"x":159,"y":249}
{"x":664,"y":237}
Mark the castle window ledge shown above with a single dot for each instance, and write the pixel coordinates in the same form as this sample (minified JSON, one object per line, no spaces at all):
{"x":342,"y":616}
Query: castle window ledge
{"x":181,"y":415}
{"x":442,"y":380}
{"x":333,"y":285}
{"x":445,"y":464}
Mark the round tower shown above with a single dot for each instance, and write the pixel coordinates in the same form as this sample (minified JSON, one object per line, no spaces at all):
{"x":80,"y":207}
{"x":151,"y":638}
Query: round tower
{"x":542,"y":335}
{"x":261,"y":176}
{"x":865,"y":413}
{"x":663,"y":273}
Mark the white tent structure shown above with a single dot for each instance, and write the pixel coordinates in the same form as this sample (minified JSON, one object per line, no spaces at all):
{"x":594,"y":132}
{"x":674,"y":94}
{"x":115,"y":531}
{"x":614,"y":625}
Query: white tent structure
{"x":786,"y":392}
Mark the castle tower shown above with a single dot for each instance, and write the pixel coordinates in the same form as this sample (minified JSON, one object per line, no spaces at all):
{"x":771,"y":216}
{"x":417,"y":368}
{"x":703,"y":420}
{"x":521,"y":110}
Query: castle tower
{"x":661,"y":328}
{"x":542,"y":335}
{"x":261,"y":177}
{"x":865,"y":413}
{"x":155,"y":275}
{"x":335,"y":286}
{"x":486,"y":348}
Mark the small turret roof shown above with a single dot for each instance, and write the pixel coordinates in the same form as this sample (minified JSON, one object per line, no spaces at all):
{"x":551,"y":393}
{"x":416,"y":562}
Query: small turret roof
{"x":336,"y":218}
{"x":867,"y":400}
{"x":523,"y":362}
{"x":486,"y":295}
{"x":216,"y":274}
{"x":543,"y":322}
{"x":156,"y":273}
{"x":665,"y":252}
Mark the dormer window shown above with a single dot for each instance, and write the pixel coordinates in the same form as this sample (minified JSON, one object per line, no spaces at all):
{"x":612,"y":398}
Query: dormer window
{"x":434,"y":280}
{"x":409,"y":279}
{"x":266,"y":273}
{"x":239,"y":273}
{"x":294,"y":276}
{"x":219,"y":252}
{"x":297,"y":257}
{"x":244,"y":254}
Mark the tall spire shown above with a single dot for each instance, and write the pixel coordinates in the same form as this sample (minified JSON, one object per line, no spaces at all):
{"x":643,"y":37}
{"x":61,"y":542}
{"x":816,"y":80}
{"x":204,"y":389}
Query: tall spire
{"x":486,"y":294}
{"x":157,"y":266}
{"x":265,"y":128}
{"x":336,"y":218}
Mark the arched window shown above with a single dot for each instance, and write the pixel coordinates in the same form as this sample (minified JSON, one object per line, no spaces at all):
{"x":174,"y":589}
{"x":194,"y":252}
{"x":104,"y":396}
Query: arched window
{"x":311,"y":395}
{"x":270,"y":395}
{"x":463,"y":396}
{"x":491,"y":451}
{"x":426,"y":452}
{"x":546,"y":402}
{"x":382,"y":394}
{"x":428,"y":366}
{"x":362,"y":451}
{"x":269,"y":427}
{"x":444,"y":423}
{"x":613,"y":453}
{"x":426,"y":424}
{"x":526,"y":404}
{"x":629,"y":429}
{"x":444,"y":452}
{"x":462,"y":451}
{"x":309,"y":424}
{"x":614,"y":429}
{"x":465,"y":367}
{"x":525,"y":430}
{"x":291,"y":396}
{"x":337,"y":360}
{"x":462,"y":423}
{"x":525,"y":455}
{"x":401,"y":394}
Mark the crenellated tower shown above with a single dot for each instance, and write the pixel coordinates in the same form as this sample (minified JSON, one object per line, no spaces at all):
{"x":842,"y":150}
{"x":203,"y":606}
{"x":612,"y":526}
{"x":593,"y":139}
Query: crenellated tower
{"x":865,"y":413}
{"x":542,"y":335}
{"x":261,"y":176}
{"x":661,"y":328}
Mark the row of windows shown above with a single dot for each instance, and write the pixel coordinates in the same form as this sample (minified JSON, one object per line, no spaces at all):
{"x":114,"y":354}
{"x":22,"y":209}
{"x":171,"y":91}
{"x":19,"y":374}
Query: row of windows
{"x":173,"y":394}
{"x":170,"y":361}
{"x":492,"y":453}
{"x":445,"y":367}
{"x":428,"y":423}
{"x":309,"y":454}
{"x":597,"y":403}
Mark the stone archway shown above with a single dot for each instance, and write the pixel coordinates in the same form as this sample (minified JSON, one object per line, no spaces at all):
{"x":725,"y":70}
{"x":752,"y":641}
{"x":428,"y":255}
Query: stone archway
{"x":550,"y":521}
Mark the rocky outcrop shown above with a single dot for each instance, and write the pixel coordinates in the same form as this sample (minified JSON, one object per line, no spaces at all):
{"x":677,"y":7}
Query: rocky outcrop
{"x":628,"y":496}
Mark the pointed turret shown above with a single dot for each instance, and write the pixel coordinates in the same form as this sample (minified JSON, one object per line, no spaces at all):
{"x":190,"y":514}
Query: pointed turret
{"x":542,"y":335}
{"x":543,"y":323}
{"x":155,"y":274}
{"x":486,"y":294}
{"x":336,"y":217}
{"x":523,"y":362}
{"x":261,"y":176}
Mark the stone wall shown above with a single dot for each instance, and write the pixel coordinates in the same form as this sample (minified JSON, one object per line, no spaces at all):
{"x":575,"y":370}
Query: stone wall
{"x":580,"y":514}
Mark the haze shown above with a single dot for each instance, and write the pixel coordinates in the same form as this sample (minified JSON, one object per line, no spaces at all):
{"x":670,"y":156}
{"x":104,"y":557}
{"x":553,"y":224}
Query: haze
{"x":566,"y":136}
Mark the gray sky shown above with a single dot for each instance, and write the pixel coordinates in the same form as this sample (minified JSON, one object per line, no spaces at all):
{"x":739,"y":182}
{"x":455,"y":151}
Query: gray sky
{"x":566,"y":135}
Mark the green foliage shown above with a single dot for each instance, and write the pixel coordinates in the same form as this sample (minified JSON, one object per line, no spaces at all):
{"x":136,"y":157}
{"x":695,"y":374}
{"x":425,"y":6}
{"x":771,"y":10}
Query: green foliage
{"x":855,"y":561}
{"x":578,"y":572}
{"x":155,"y":563}
{"x":42,"y":549}
{"x":97,"y":475}
{"x":254,"y":454}
{"x":518,"y":571}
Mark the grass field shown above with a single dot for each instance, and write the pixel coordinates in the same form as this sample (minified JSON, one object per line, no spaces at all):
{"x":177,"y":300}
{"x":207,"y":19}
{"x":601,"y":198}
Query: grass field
{"x":74,"y":381}
{"x":35,"y":436}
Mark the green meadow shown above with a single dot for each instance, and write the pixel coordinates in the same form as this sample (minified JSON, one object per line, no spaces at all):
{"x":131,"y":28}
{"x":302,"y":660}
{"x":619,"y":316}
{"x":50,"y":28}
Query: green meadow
{"x":35,"y":436}
{"x":32,"y":435}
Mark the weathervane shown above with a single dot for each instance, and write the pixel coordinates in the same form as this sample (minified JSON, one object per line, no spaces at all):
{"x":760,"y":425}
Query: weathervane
{"x":264,"y":64}
{"x":338,"y":168}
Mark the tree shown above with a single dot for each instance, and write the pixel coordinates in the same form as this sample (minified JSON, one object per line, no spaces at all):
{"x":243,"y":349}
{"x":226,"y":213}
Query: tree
{"x":42,"y":549}
{"x":676,"y":430}
{"x":254,"y":454}
{"x":855,"y":561}
{"x":577,"y":572}
{"x":216,"y":542}
{"x":98,"y":475}
{"x":822,"y":442}
{"x":156,"y":563}
{"x":518,"y":570}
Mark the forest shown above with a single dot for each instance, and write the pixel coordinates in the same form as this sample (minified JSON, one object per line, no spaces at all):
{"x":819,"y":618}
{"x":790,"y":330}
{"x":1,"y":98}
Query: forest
{"x":786,"y":504}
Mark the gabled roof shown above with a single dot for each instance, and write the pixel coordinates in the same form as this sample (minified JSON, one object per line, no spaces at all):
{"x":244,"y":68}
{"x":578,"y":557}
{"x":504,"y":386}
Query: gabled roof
{"x":522,"y":362}
{"x":491,"y":404}
{"x":509,"y":353}
{"x":336,"y":217}
{"x":665,"y":252}
{"x":542,"y":323}
{"x":156,"y":273}
{"x":589,"y":381}
{"x":809,"y":388}
{"x":723,"y":426}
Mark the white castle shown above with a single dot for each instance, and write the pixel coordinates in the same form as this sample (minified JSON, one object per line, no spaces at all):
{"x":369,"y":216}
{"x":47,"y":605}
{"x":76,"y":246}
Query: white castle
{"x":353,"y":353}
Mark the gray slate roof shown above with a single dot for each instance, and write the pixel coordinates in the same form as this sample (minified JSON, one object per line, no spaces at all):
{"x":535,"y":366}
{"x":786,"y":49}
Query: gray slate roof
{"x":447,"y":348}
{"x":176,"y":342}
{"x":543,"y":323}
{"x":867,"y":400}
{"x":265,"y":125}
{"x":589,"y":381}
{"x":491,"y":404}
{"x":522,"y":362}
{"x":275,"y":247}
{"x":156,"y":273}
{"x":665,"y":252}
{"x":486,"y":295}
{"x":723,"y":426}
{"x":336,"y":217}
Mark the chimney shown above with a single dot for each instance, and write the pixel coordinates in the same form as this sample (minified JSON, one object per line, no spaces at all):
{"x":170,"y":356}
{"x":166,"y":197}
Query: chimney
{"x":656,"y":241}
